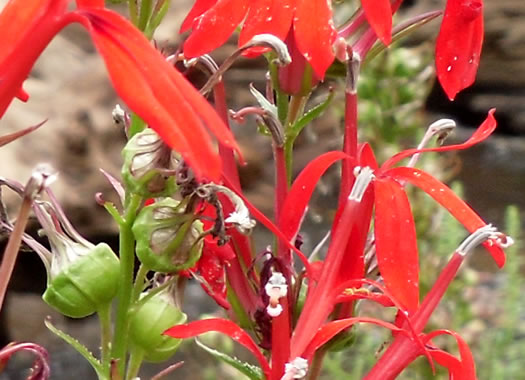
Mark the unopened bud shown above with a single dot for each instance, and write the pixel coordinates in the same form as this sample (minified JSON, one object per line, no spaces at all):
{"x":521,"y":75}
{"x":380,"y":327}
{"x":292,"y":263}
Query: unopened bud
{"x":168,"y":238}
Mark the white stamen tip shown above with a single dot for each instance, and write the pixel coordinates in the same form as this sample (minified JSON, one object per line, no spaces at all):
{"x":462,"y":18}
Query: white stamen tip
{"x":275,"y":288}
{"x":296,"y":369}
{"x":488,"y":234}
{"x":274,"y":311}
{"x":364,"y":176}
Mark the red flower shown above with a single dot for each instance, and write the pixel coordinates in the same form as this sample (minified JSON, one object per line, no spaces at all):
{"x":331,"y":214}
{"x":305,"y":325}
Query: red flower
{"x":152,"y":88}
{"x":458,"y":46}
{"x":213,"y":21}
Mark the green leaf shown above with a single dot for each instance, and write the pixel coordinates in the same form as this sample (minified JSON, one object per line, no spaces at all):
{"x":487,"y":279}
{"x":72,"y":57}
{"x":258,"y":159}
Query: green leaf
{"x":307,"y":118}
{"x":251,"y":371}
{"x":79,"y":347}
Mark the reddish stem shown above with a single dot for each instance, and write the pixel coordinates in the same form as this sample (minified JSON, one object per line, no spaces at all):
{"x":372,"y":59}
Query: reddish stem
{"x":404,"y":350}
{"x":349,"y":143}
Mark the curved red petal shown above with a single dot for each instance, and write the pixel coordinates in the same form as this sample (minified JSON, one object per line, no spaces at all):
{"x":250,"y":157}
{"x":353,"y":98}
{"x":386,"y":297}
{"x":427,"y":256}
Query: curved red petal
{"x":135,"y":67}
{"x":396,"y":244}
{"x":315,"y":33}
{"x":90,"y":3}
{"x":379,"y":16}
{"x":296,"y":203}
{"x":215,"y":26}
{"x":224,"y":326}
{"x":198,"y":9}
{"x":267,"y":16}
{"x":464,"y":369}
{"x":482,"y":133}
{"x":331,"y":329}
{"x":458,"y":47}
{"x":448,"y":199}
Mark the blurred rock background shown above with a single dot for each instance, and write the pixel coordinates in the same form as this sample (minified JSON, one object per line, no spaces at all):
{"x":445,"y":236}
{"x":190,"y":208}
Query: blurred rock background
{"x":69,"y":88}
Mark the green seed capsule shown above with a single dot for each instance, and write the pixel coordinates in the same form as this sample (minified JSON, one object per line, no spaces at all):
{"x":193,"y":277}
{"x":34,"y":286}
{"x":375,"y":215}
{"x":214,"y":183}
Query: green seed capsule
{"x":86,"y":284}
{"x":145,"y":156}
{"x":149,"y":321}
{"x":168,"y":240}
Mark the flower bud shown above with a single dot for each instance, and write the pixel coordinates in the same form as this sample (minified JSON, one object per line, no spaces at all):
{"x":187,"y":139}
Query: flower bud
{"x":84,"y":284}
{"x":149,"y":320}
{"x":168,"y":239}
{"x":147,"y":159}
{"x":81,"y":277}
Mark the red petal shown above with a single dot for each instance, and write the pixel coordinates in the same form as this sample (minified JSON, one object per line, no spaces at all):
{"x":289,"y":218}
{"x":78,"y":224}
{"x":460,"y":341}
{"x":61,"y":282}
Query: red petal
{"x":448,"y":199}
{"x":467,"y":368}
{"x":379,"y":16}
{"x":482,"y":133}
{"x":167,"y":102}
{"x":267,"y":16}
{"x":328,"y":331}
{"x":90,"y":3}
{"x":315,"y":33}
{"x":224,"y":326}
{"x":198,"y":9}
{"x":296,"y":203}
{"x":215,"y":26}
{"x":22,"y":95}
{"x":211,"y":268}
{"x":395,"y":234}
{"x":458,"y":47}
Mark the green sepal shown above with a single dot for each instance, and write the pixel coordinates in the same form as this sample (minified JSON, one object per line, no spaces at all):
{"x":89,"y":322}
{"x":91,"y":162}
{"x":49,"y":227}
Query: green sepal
{"x":168,"y":240}
{"x":85,"y":285}
{"x":147,"y":323}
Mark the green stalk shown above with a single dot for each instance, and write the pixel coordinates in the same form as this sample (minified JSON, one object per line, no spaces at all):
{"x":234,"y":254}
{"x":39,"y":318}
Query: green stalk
{"x":135,"y":361}
{"x":140,"y":279}
{"x":127,"y":263}
{"x":104,"y":316}
{"x":146,"y":7}
{"x":133,"y":11}
{"x":295,"y":110}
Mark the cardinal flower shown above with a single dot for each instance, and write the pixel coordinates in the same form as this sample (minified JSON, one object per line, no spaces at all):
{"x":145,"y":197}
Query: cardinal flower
{"x":149,"y":85}
{"x":212,"y":22}
{"x":458,"y":47}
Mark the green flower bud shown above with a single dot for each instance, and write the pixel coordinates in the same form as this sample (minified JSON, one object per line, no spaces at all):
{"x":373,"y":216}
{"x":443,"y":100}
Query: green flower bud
{"x":168,"y":239}
{"x":81,"y":277}
{"x":87,"y":283}
{"x":150,"y":320}
{"x":147,"y":160}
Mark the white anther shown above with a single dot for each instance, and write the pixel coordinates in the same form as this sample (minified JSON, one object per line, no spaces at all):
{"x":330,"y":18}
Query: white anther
{"x":487,"y":233}
{"x":296,"y":369}
{"x":364,"y":176}
{"x":275,"y":288}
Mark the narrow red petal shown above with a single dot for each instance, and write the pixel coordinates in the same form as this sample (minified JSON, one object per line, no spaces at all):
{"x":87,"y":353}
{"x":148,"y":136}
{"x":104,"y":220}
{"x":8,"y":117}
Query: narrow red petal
{"x":215,"y":26}
{"x":379,"y":16}
{"x":224,"y":326}
{"x":298,"y":197}
{"x":315,"y":33}
{"x":458,"y":47}
{"x":267,"y":16}
{"x":448,"y":199}
{"x":482,"y":133}
{"x":198,"y":9}
{"x":22,"y":95}
{"x":396,"y":244}
{"x":331,"y":329}
{"x":467,"y":370}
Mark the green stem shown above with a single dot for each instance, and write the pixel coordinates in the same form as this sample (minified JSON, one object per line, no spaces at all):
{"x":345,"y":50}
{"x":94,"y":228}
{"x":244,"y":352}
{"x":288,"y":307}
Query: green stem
{"x":140,"y":280}
{"x":133,"y":11}
{"x":104,"y":316}
{"x":295,"y":109}
{"x":317,"y":364}
{"x":281,"y":99}
{"x":127,"y":263}
{"x":146,"y":7}
{"x":135,"y":361}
